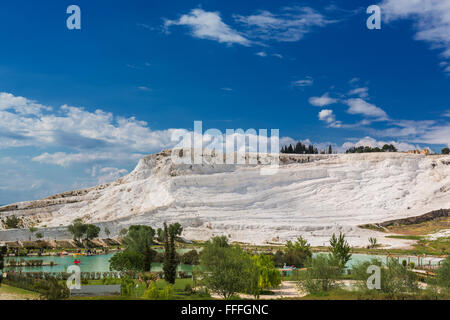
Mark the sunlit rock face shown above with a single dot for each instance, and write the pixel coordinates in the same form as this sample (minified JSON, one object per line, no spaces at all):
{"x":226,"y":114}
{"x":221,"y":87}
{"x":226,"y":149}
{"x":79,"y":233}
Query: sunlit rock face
{"x":310,"y":195}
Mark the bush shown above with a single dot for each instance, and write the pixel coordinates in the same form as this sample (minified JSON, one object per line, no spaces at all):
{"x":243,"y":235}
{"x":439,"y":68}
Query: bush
{"x":396,"y":279}
{"x":190,"y":257}
{"x":47,"y":286}
{"x":321,"y":275}
{"x":188,"y":289}
{"x":443,"y":275}
{"x":152,"y":293}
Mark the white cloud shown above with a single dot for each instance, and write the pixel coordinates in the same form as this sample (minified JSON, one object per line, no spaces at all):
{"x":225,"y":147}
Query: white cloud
{"x":208,"y":25}
{"x":327,"y":115}
{"x":66,"y":159}
{"x":322,"y":101}
{"x":431,"y":20}
{"x":278,"y":55}
{"x":21,"y":105}
{"x":291,"y":24}
{"x":308,"y":81}
{"x":261,"y":54}
{"x":107,"y":174}
{"x":362,"y":92}
{"x":144,"y":88}
{"x":77,"y":129}
{"x":226,"y":89}
{"x":359,"y":106}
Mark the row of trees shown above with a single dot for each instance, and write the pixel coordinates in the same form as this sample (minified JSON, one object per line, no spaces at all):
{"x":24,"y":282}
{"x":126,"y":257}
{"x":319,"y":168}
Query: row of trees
{"x":366,"y":149}
{"x":301,"y":148}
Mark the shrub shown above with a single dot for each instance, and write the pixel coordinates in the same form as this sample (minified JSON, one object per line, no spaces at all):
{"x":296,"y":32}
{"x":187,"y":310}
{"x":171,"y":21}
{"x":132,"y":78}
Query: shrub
{"x":443,"y":275}
{"x":188,"y":289}
{"x":190,"y":257}
{"x":152,"y":293}
{"x":321,"y":275}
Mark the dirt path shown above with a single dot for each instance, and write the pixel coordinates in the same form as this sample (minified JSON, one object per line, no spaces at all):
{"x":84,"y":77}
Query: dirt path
{"x":287,"y":289}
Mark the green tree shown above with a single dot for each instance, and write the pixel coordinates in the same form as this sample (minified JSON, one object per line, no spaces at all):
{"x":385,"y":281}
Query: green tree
{"x":107,"y":232}
{"x":296,"y":254}
{"x":443,"y":275}
{"x":445,"y":150}
{"x":92,"y":231}
{"x":330,"y":149}
{"x":170,"y":262}
{"x":77,"y":229}
{"x":340,"y":250}
{"x":269,"y":276}
{"x":127,"y":260}
{"x":139,"y":240}
{"x":39,"y":235}
{"x":227,"y":270}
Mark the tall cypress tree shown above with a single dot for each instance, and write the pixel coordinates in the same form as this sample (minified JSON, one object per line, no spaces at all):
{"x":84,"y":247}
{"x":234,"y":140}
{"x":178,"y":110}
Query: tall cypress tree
{"x":330,"y":150}
{"x":170,"y":262}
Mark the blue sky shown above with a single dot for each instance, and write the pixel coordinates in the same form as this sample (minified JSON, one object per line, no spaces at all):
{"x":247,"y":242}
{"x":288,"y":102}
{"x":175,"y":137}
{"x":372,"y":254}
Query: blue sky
{"x":80,"y":107}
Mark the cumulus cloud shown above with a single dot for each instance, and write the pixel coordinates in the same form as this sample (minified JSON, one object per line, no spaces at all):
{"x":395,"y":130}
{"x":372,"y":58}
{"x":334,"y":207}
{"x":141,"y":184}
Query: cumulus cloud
{"x":322,"y":101}
{"x":327,"y":116}
{"x":21,"y":105}
{"x":208,"y":25}
{"x":360,"y":106}
{"x":25,"y":123}
{"x":289,"y":25}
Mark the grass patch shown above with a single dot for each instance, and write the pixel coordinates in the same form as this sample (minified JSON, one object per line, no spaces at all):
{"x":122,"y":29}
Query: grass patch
{"x":405,"y":237}
{"x":20,"y":293}
{"x":422,"y":228}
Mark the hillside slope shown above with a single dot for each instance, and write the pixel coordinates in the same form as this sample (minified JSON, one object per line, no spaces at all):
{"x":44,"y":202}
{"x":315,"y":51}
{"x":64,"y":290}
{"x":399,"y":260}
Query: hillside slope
{"x":311,"y":195}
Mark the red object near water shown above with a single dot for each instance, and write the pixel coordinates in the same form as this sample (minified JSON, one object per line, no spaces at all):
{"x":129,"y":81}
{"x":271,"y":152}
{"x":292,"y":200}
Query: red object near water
{"x":77,"y":262}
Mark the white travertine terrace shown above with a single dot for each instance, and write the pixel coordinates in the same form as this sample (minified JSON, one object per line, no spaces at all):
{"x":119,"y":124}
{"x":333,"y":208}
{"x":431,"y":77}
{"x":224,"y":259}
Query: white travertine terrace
{"x":311,"y":195}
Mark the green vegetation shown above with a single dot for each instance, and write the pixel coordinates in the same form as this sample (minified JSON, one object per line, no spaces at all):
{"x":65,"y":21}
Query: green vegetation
{"x":78,"y":229}
{"x":48,"y":288}
{"x":321,"y":275}
{"x":445,"y":150}
{"x":138,"y":254}
{"x":443,"y":275}
{"x":170,"y":262}
{"x":18,"y":293}
{"x":12,"y":222}
{"x":227,"y":269}
{"x":365,"y":149}
{"x":296,"y":254}
{"x":300,"y":148}
{"x":373,"y":243}
{"x":340,"y":250}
